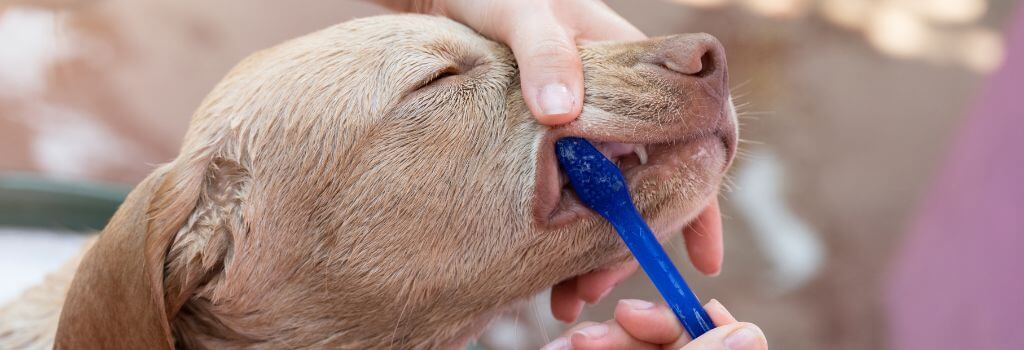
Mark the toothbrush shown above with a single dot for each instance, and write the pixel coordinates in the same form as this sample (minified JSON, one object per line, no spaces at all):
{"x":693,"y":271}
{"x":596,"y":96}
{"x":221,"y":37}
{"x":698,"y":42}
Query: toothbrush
{"x":600,"y":185}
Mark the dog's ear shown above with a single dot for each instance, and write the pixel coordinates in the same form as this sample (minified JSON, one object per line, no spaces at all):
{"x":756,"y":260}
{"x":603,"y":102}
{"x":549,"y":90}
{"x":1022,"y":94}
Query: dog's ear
{"x":168,"y":238}
{"x":202,"y":245}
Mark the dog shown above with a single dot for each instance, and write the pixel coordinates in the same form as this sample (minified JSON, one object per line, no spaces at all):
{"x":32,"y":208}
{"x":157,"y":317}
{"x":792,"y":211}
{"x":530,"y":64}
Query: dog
{"x":382,"y":184}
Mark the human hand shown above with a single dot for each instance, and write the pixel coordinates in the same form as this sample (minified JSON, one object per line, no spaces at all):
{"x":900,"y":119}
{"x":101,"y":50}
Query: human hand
{"x":642,"y":325}
{"x":542,"y":35}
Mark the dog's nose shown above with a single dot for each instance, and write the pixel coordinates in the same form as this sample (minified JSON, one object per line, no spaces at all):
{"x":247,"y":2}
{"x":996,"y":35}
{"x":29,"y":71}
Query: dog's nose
{"x":692,"y":56}
{"x":694,"y":64}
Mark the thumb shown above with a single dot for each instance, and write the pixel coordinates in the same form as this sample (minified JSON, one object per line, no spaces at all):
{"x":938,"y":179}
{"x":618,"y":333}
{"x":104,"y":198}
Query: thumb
{"x":550,"y":69}
{"x":735,"y":336}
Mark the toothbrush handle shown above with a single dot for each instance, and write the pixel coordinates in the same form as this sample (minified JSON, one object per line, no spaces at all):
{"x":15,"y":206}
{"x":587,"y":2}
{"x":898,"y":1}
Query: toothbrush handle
{"x":662,"y":272}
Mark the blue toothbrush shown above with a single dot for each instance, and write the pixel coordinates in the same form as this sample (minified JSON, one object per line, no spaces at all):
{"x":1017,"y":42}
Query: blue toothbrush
{"x":599,"y":184}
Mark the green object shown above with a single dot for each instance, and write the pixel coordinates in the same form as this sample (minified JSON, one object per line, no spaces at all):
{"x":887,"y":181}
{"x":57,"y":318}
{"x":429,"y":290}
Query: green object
{"x":31,"y":200}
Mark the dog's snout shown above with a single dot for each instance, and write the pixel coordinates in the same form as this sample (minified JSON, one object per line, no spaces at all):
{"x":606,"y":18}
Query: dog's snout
{"x":691,"y":55}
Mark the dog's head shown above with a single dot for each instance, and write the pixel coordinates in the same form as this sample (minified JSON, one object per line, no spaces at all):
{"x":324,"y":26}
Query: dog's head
{"x":382,"y":182}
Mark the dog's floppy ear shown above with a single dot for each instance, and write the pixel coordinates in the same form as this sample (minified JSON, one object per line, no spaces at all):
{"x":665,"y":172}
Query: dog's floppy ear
{"x":126,"y":291}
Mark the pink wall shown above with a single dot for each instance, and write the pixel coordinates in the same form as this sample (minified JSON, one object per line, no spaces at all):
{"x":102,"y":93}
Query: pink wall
{"x":959,"y":282}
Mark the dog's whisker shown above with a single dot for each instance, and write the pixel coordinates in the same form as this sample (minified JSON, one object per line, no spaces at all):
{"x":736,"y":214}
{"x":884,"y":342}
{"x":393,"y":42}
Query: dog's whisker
{"x":754,"y":114}
{"x":727,"y":187}
{"x":742,"y":84}
{"x":398,"y":322}
{"x":539,"y":322}
{"x":676,"y":246}
{"x":739,"y":106}
{"x":515,"y":331}
{"x":731,"y":182}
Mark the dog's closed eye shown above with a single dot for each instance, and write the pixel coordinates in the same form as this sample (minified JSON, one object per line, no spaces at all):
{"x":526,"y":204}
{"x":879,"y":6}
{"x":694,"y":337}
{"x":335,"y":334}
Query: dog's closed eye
{"x":440,"y":76}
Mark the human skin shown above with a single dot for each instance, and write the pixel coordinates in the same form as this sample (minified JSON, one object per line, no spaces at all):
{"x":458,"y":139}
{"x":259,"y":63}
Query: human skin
{"x":641,"y":325}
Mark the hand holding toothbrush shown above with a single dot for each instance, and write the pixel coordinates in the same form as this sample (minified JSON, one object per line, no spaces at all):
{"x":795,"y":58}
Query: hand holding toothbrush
{"x":642,"y":325}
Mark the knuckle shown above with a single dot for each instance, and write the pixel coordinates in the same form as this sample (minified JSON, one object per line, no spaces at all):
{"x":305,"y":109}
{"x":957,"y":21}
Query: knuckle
{"x":552,"y":48}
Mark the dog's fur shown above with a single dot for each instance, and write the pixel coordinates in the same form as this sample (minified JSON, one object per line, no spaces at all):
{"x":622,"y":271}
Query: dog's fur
{"x":326,"y":196}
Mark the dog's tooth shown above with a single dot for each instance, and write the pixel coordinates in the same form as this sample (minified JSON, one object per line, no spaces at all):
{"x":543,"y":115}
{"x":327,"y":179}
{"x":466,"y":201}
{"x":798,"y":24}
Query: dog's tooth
{"x":641,"y":152}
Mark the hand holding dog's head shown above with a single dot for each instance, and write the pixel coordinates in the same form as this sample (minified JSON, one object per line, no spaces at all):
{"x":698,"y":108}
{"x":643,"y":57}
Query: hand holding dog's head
{"x":382,"y":183}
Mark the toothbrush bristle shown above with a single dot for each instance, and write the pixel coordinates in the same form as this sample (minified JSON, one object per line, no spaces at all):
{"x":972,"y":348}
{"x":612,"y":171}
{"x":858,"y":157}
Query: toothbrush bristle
{"x":597,"y":180}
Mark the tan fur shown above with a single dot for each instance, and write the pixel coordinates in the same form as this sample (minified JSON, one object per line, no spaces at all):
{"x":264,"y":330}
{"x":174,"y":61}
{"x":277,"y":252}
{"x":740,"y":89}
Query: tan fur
{"x":321,"y":200}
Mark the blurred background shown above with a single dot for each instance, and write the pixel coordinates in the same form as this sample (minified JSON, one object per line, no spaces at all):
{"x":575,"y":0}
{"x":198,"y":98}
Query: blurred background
{"x":849,"y":108}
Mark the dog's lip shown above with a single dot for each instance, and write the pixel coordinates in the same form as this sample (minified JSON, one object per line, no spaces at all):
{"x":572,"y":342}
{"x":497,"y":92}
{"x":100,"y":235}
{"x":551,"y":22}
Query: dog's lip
{"x":555,"y":205}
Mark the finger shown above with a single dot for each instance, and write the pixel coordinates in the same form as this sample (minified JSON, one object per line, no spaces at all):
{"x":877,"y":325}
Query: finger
{"x":648,"y":322}
{"x":703,"y":239}
{"x":565,"y":305}
{"x":550,"y":69}
{"x":736,"y":336}
{"x":722,"y":319}
{"x":407,"y":6}
{"x":608,"y":335}
{"x":577,"y":327}
{"x":594,"y":286}
{"x":562,"y":343}
{"x":719,"y":314}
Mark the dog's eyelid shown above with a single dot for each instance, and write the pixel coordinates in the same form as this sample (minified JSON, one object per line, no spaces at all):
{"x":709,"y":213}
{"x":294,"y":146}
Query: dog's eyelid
{"x":448,"y":71}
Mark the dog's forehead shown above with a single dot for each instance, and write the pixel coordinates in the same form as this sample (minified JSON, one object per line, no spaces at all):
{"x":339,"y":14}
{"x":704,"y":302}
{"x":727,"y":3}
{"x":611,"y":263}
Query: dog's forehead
{"x":355,"y":68}
{"x":400,"y":49}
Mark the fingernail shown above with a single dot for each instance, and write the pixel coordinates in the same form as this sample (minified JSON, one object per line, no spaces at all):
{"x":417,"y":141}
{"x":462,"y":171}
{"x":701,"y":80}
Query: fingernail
{"x":593,"y":332}
{"x":742,"y":339}
{"x":557,"y":344}
{"x":555,"y":99}
{"x":637,"y":304}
